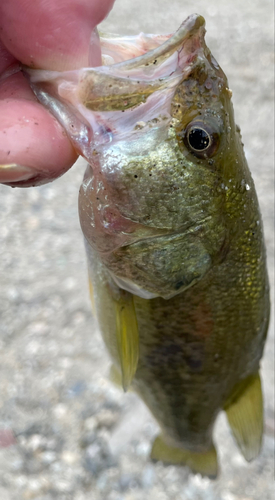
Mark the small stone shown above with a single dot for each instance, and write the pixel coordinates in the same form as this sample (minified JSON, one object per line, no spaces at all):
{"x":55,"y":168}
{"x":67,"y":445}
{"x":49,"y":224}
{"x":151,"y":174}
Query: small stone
{"x":69,"y":457}
{"x":20,"y":481}
{"x":94,"y":450}
{"x":17,"y":465}
{"x":143,"y":449}
{"x":226,"y":495}
{"x":106,"y":418}
{"x":34,"y":484}
{"x":63,"y":486}
{"x":98,"y":457}
{"x":60,"y":411}
{"x":36,"y":442}
{"x":127,"y":481}
{"x":90,"y":424}
{"x":87,"y":439}
{"x":48,"y":457}
{"x":76,"y":389}
{"x":148,"y":476}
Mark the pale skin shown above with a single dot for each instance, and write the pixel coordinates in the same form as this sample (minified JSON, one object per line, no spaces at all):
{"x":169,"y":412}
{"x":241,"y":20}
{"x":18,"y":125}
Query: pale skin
{"x":34,"y":148}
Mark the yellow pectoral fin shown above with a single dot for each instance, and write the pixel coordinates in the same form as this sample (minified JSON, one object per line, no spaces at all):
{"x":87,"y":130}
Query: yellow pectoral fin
{"x":204,"y":463}
{"x":115,"y":377}
{"x":127,"y":337}
{"x":245,"y":417}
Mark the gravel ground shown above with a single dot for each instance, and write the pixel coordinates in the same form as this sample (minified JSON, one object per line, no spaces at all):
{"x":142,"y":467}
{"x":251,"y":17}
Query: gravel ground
{"x":66,"y":432}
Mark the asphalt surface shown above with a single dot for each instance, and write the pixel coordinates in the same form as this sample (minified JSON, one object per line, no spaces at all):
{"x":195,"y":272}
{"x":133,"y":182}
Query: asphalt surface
{"x":66,"y":432}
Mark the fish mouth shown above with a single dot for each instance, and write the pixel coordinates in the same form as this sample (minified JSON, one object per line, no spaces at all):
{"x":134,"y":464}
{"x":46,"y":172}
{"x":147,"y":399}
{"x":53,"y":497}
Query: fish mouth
{"x":111,"y":100}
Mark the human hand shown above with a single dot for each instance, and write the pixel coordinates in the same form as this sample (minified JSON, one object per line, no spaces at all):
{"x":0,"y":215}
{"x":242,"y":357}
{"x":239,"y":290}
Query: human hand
{"x":34,"y":148}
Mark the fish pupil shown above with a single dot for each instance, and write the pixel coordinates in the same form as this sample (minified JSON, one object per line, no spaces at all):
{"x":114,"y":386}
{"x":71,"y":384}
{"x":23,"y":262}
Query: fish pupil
{"x":198,"y":139}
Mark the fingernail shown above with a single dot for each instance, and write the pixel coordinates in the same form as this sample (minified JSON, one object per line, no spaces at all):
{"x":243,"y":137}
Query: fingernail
{"x":13,"y":172}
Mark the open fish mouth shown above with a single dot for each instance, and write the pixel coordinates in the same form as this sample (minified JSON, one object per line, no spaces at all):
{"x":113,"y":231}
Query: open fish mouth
{"x":127,"y":96}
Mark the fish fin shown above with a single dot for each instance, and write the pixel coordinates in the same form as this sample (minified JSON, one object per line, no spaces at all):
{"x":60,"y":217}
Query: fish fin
{"x":204,"y":463}
{"x":245,"y":417}
{"x":91,"y":289}
{"x":115,"y":377}
{"x":127,"y":337}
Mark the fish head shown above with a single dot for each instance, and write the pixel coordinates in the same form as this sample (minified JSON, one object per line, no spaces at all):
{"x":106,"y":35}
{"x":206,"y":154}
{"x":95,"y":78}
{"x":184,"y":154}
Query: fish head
{"x":160,"y":139}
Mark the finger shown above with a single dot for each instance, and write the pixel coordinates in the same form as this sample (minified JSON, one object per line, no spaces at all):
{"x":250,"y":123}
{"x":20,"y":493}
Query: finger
{"x":50,"y":34}
{"x":6,"y":58}
{"x":34,"y":148}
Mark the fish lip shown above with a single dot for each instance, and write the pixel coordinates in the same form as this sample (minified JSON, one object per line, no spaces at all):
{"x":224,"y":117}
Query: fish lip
{"x":188,"y":27}
{"x":128,"y":84}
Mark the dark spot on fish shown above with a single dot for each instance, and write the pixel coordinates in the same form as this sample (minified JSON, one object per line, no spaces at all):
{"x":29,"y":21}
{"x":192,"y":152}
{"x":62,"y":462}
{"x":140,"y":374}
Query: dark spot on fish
{"x":135,"y":176}
{"x":194,"y":359}
{"x":155,"y":61}
{"x":171,"y":356}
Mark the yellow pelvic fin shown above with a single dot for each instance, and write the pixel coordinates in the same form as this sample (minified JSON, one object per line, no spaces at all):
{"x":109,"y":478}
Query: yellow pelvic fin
{"x":127,"y":337}
{"x":204,"y":463}
{"x":245,"y":417}
{"x":92,"y":298}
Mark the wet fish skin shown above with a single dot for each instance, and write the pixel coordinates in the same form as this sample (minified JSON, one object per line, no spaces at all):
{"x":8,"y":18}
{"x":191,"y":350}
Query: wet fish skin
{"x":198,"y":347}
{"x":174,"y":239}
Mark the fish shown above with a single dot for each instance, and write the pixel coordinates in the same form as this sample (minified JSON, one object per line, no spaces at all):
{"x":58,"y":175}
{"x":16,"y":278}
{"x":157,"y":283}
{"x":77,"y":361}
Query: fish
{"x":173,"y":234}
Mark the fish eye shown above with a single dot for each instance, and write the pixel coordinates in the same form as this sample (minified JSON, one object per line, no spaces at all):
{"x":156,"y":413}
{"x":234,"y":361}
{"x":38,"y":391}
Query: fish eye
{"x":201,"y":139}
{"x":198,"y":139}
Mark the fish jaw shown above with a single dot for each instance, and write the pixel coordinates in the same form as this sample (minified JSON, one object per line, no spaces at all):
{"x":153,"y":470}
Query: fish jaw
{"x":112,"y":100}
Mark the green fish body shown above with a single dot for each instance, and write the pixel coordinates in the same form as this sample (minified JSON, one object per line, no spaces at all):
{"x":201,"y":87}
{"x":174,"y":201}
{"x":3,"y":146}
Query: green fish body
{"x":174,"y":239}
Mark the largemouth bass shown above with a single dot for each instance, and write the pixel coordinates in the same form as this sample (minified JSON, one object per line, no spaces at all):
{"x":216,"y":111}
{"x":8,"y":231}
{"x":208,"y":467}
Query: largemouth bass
{"x":173,"y":235}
